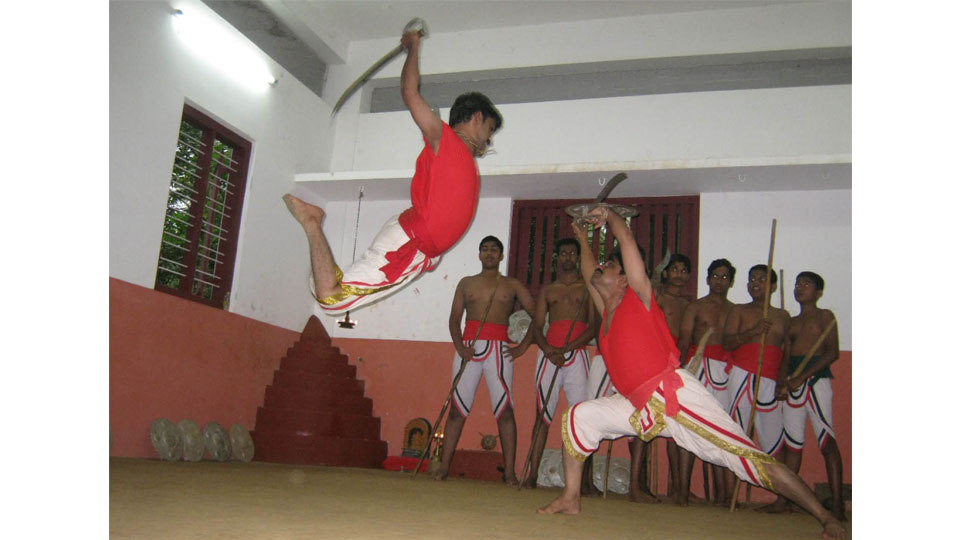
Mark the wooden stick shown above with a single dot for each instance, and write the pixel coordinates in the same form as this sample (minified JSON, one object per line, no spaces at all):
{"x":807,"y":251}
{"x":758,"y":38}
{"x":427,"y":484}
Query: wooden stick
{"x":456,"y":380}
{"x":782,"y":289}
{"x":693,"y":365}
{"x":606,"y":472}
{"x":654,"y":468}
{"x":763,"y":341}
{"x":539,"y":421}
{"x":816,"y":345}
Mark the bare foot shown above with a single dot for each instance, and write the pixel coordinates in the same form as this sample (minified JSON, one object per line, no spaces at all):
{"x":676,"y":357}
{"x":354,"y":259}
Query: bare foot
{"x":832,"y":529}
{"x":510,"y":480}
{"x":441,"y":474}
{"x":303,"y":212}
{"x":530,"y":483}
{"x":561,"y":506}
{"x":641,"y":496}
{"x":839,"y":513}
{"x":781,"y":506}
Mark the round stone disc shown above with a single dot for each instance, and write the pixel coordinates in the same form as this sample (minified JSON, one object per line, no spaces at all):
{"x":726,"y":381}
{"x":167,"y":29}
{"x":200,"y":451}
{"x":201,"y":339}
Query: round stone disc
{"x":217,"y":441}
{"x":193,"y":445}
{"x":166,"y":439}
{"x":241,"y":442}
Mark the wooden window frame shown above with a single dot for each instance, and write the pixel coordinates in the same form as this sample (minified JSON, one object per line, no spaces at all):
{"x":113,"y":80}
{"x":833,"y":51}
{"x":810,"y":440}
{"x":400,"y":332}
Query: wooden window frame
{"x":229,"y":228}
{"x":526,"y":259}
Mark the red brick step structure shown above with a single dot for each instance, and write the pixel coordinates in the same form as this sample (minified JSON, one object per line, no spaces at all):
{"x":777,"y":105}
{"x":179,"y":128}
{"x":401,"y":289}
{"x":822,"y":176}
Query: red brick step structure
{"x":314,"y":412}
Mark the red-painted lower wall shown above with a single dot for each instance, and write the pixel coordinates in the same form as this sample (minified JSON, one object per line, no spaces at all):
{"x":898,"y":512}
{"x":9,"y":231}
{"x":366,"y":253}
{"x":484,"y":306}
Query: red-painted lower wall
{"x":177,"y":359}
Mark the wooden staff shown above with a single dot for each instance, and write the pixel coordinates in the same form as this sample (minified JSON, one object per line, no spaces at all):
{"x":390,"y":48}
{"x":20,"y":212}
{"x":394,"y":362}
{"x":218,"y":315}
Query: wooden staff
{"x":654,"y":468}
{"x":693,"y":365}
{"x":782,"y":288}
{"x":456,"y":380}
{"x":816,"y":345}
{"x":539,"y":421}
{"x":606,"y":472}
{"x":763,"y":341}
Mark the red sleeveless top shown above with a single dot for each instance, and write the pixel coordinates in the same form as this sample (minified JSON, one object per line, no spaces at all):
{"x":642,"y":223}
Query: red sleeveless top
{"x":444,"y":193}
{"x":640,"y":353}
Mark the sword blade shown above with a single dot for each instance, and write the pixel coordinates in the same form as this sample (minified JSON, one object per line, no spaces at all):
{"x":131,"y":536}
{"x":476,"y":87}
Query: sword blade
{"x":366,"y":76}
{"x":612,"y":183}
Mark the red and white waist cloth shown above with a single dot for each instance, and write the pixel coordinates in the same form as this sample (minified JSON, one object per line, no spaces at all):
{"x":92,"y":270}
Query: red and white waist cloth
{"x":747,"y":356}
{"x":700,"y":426}
{"x":488,"y":332}
{"x":366,"y":281}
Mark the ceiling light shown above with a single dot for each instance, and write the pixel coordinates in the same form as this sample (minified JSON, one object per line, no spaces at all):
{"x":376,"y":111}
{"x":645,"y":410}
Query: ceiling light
{"x":222,"y":47}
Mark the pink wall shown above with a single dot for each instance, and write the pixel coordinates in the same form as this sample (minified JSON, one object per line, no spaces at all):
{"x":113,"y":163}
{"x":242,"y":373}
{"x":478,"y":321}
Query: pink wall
{"x":409,"y":379}
{"x":217,"y":366}
{"x":177,"y":359}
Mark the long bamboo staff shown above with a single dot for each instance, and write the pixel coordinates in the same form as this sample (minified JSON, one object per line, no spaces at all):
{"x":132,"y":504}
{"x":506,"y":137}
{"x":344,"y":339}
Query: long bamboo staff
{"x":763,"y":341}
{"x":606,"y":472}
{"x":693,"y":365}
{"x":654,"y":468}
{"x":456,"y":380}
{"x":816,"y":345}
{"x":539,"y":421}
{"x":782,"y":289}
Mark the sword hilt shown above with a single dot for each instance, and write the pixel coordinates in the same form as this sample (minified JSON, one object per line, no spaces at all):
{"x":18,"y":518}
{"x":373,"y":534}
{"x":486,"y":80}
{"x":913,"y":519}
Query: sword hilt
{"x":417,"y":25}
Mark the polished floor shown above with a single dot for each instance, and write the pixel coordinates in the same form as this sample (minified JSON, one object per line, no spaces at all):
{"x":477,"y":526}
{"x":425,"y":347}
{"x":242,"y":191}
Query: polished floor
{"x":151,"y":499}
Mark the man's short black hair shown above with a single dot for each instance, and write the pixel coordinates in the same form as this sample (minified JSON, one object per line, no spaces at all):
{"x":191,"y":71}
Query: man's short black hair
{"x":467,"y":104}
{"x":493,"y":239}
{"x":677,"y":258}
{"x":567,"y":242}
{"x":617,"y":256}
{"x":812,"y":276}
{"x":763,"y":268}
{"x":718,"y":263}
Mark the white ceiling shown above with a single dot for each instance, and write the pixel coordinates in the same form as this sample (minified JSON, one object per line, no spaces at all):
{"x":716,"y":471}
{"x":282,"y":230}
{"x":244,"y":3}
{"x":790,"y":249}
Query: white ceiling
{"x":371,"y":19}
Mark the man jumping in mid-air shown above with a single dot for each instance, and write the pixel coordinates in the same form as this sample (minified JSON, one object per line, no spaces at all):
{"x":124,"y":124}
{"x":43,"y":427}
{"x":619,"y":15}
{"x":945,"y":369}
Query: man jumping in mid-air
{"x":443,"y":194}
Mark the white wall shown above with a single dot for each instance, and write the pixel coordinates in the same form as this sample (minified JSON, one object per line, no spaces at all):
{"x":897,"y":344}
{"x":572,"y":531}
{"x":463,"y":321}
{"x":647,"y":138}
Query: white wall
{"x":765,"y":28}
{"x":776,"y":126}
{"x":152,"y":74}
{"x":814,"y":232}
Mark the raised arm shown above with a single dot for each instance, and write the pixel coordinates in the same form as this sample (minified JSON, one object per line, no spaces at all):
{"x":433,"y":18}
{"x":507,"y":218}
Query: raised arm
{"x":429,"y":124}
{"x":588,"y":265}
{"x":633,"y":264}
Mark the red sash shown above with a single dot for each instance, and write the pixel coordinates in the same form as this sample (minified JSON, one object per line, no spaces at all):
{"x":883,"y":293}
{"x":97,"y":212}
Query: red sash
{"x":557,"y":333}
{"x":745,"y":357}
{"x":489,"y":332}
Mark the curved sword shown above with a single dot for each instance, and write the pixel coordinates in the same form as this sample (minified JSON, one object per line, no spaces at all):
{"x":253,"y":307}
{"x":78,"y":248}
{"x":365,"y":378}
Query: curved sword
{"x":415,"y":25}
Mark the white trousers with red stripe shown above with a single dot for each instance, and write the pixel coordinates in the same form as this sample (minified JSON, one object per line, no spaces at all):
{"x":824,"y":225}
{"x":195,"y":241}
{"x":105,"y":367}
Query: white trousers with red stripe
{"x":768,"y":418}
{"x":809,"y":401}
{"x":701,"y":427}
{"x":494,"y":363}
{"x":363,"y":282}
{"x":572,"y":378}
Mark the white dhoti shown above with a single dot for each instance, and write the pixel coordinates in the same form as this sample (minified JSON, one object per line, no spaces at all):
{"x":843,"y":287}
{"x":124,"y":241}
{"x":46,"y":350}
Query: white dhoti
{"x":768,"y":419}
{"x":363,"y":282}
{"x":572,"y":378}
{"x":809,"y":401}
{"x":493,"y":362}
{"x":701,"y":427}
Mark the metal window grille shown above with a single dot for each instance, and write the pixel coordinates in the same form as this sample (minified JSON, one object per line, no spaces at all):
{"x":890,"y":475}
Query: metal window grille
{"x":664,"y":223}
{"x":199,"y":239}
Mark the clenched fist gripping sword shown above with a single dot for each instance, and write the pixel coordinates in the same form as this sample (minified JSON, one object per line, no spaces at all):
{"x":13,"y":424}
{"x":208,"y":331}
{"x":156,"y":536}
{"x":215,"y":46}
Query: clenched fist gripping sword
{"x":415,"y":25}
